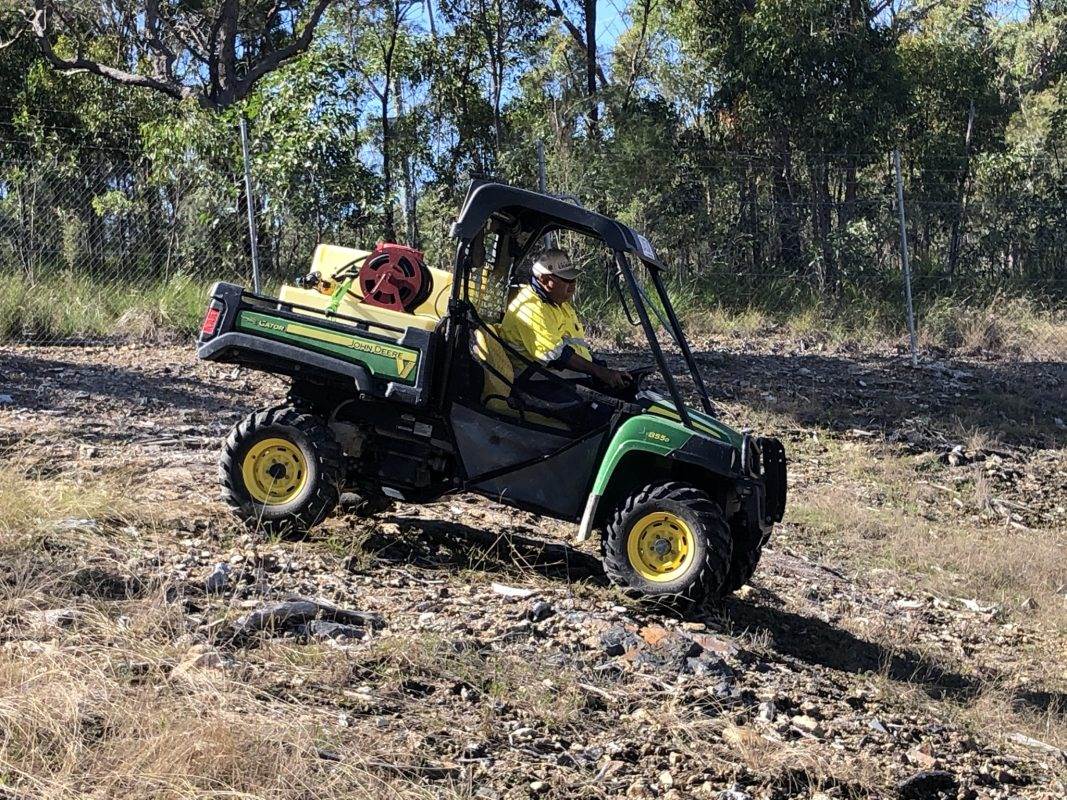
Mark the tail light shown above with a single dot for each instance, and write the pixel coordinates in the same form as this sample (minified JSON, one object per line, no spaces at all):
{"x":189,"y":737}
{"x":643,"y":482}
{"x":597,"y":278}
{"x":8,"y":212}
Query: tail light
{"x":211,"y":321}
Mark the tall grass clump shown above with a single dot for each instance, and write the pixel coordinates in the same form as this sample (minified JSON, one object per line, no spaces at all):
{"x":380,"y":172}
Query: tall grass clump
{"x":70,"y":305}
{"x":1021,"y":326}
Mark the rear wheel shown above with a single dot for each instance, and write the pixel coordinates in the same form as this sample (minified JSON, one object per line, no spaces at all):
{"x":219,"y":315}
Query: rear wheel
{"x":281,"y":470}
{"x":668,"y":541}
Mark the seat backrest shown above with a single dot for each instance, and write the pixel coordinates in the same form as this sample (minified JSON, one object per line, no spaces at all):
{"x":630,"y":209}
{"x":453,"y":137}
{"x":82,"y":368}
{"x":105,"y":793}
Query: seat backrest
{"x":495,"y":364}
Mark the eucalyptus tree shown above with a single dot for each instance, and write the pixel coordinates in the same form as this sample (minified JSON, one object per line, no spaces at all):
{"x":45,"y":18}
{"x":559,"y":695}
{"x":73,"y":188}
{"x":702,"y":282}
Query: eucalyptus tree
{"x":213,"y":51}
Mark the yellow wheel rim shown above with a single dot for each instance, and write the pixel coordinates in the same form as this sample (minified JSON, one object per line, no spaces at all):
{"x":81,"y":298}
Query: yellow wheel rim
{"x":660,"y":546}
{"x":274,"y":471}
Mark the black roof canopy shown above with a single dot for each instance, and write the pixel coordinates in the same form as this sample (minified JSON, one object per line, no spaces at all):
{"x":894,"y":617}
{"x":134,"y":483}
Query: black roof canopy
{"x":536,"y":211}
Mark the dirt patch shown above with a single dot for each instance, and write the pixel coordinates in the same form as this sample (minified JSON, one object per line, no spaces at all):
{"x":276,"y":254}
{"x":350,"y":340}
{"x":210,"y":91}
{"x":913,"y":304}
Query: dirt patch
{"x":904,"y":633}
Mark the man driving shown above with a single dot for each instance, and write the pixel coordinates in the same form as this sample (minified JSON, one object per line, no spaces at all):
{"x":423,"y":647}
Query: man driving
{"x":541,"y":323}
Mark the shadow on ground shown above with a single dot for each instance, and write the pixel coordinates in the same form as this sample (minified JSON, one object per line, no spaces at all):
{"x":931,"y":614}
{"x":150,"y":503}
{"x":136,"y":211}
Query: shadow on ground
{"x":436,"y":544}
{"x":440,"y":544}
{"x":1013,"y":400}
{"x":37,"y":382}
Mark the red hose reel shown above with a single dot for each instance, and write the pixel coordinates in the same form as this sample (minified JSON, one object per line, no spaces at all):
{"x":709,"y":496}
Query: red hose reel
{"x":396,"y":277}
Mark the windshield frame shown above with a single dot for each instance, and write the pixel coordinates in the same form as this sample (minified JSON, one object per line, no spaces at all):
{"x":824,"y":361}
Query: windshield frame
{"x":674,"y":327}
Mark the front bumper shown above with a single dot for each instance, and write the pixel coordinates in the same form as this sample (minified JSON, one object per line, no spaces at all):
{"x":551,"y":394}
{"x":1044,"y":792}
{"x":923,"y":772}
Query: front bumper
{"x":763,"y":463}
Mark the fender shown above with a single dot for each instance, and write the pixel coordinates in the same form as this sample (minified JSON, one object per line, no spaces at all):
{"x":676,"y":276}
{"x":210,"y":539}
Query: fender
{"x":664,"y":437}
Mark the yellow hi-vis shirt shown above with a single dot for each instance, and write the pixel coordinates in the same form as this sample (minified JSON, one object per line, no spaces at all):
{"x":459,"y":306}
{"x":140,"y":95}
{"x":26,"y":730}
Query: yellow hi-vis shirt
{"x":541,"y":330}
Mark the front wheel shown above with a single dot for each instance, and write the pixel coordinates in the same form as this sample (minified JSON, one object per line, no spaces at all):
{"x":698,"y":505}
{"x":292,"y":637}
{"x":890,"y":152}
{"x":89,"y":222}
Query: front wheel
{"x":281,"y":470}
{"x":668,"y":541}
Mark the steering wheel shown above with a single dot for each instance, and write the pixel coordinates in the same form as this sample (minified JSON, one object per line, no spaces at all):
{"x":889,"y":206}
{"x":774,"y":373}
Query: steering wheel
{"x":640,"y":373}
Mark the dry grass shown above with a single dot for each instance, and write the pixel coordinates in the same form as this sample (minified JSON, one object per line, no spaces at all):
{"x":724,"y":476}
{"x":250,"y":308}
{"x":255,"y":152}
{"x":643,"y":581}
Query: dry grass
{"x":31,"y":501}
{"x":108,"y":704}
{"x":104,"y":702}
{"x":1007,"y":326}
{"x":946,"y":550}
{"x":81,"y":717}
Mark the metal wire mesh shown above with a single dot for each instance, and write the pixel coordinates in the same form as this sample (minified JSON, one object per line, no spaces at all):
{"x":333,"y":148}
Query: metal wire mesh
{"x":96,"y":240}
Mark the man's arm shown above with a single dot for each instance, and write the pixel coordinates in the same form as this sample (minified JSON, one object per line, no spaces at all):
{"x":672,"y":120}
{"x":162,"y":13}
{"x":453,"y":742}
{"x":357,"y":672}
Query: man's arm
{"x":606,"y":375}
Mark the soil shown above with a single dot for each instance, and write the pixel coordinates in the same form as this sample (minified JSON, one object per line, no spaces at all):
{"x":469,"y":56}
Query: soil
{"x":826,"y":676}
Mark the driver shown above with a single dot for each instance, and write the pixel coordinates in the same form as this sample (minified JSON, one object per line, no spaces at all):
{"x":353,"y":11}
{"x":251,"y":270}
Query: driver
{"x":541,"y":323}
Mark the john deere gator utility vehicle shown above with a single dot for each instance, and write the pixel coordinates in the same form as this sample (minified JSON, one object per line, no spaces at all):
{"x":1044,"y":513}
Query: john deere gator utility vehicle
{"x":402,"y":390}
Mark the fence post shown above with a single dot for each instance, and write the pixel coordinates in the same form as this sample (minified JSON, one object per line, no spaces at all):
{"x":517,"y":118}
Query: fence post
{"x":253,"y":238}
{"x":542,"y":183}
{"x":904,"y":262}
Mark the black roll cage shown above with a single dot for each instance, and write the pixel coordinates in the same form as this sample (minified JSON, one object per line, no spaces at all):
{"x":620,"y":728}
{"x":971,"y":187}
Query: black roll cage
{"x":537,"y":214}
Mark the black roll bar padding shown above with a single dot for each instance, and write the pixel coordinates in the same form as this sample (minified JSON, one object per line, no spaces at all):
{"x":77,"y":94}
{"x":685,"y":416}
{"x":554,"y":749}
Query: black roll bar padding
{"x":683,"y":343}
{"x":642,"y":313}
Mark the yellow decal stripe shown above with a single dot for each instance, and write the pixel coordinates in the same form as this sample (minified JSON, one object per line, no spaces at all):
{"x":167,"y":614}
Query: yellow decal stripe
{"x":674,"y":415}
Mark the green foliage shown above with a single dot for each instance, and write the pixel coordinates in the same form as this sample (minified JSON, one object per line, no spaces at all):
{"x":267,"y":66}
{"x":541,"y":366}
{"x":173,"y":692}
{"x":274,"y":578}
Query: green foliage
{"x":751,"y":142}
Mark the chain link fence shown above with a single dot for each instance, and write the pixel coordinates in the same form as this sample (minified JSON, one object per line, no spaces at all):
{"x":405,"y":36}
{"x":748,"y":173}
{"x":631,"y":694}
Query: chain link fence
{"x":98,"y":241}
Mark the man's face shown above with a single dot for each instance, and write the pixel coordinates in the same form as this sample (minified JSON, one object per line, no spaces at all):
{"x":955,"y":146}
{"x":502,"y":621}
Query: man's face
{"x":559,"y":290}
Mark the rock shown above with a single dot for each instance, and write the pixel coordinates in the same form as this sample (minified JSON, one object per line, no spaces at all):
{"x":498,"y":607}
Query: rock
{"x":666,"y":780}
{"x":720,"y":646}
{"x":876,"y":725}
{"x":1036,"y":744}
{"x":217,"y":580}
{"x":766,"y":711}
{"x":923,"y":785}
{"x":957,"y":457}
{"x":638,"y":789}
{"x":6,"y":400}
{"x":512,"y":592}
{"x":733,"y":793}
{"x":654,"y":634}
{"x":978,"y":608}
{"x":540,"y":610}
{"x":617,"y":640}
{"x":922,"y":758}
{"x":79,"y":524}
{"x":807,"y":725}
{"x":336,"y":631}
{"x":538,"y":787}
{"x":53,"y":617}
{"x":292,"y":613}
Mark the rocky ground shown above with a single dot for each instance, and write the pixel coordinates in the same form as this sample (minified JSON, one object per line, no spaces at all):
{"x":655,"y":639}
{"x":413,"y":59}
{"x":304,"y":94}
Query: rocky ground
{"x":904,"y":635}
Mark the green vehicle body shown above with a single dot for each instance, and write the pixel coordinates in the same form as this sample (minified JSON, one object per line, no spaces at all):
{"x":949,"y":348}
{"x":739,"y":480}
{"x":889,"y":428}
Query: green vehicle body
{"x":381,"y":360}
{"x":407,"y":407}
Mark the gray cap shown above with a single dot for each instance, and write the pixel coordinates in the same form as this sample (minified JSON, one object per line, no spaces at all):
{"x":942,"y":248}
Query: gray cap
{"x":554,"y":261}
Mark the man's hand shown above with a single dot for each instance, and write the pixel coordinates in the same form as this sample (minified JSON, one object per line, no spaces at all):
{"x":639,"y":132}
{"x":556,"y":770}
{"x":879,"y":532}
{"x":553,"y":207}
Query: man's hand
{"x":612,"y":378}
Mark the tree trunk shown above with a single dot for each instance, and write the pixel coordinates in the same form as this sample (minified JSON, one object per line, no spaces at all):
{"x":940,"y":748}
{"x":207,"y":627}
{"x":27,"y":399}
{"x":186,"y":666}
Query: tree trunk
{"x":961,"y":199}
{"x":820,"y":184}
{"x":590,"y":67}
{"x":387,"y":167}
{"x":785,"y":209}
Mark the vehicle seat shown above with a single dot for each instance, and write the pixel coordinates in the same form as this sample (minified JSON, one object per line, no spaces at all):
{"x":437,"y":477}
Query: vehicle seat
{"x":498,"y":378}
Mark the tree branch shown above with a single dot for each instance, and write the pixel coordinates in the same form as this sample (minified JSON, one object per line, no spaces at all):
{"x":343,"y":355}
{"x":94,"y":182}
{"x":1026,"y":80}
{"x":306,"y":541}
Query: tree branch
{"x":274,"y":58}
{"x":41,"y":27}
{"x":557,"y":11}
